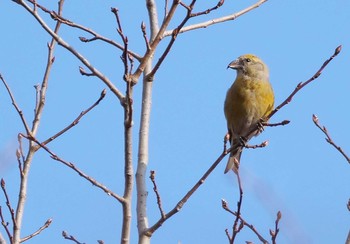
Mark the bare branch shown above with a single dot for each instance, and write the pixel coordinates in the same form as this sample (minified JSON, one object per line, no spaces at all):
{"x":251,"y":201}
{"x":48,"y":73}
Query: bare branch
{"x":245,"y":223}
{"x":73,"y":167}
{"x":59,"y":18}
{"x":284,"y":122}
{"x":276,"y":231}
{"x":261,"y":145}
{"x":144,"y":33}
{"x":149,"y":53}
{"x":8,"y":204}
{"x":41,"y":90}
{"x":76,"y":121}
{"x":182,"y":202}
{"x":217,"y":20}
{"x":5,"y":225}
{"x":301,"y":85}
{"x":237,"y":228}
{"x":45,"y":225}
{"x":155,"y":189}
{"x":328,"y":137}
{"x":14,"y":103}
{"x":64,"y":44}
{"x":71,"y":238}
{"x":83,"y":72}
{"x":209,"y":10}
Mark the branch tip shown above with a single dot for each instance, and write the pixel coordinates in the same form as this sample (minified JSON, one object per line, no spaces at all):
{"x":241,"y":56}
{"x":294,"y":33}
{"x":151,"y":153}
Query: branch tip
{"x":338,"y":50}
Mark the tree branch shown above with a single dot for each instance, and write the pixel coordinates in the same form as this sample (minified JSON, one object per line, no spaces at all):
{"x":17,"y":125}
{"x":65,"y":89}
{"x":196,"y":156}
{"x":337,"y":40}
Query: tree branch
{"x":217,"y":20}
{"x":75,"y":122}
{"x":73,"y":167}
{"x":46,"y":225}
{"x":155,"y":189}
{"x":328,"y":137}
{"x":301,"y":85}
{"x":245,"y":223}
{"x":64,"y":44}
{"x":5,"y":225}
{"x":276,"y":231}
{"x":71,"y":238}
{"x":182,"y":202}
{"x":19,"y":111}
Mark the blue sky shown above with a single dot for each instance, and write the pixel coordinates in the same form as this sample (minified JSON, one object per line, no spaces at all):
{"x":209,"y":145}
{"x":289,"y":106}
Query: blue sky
{"x":298,"y":173}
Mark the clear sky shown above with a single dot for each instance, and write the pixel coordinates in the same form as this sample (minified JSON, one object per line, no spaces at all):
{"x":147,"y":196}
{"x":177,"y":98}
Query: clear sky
{"x":299,"y":173}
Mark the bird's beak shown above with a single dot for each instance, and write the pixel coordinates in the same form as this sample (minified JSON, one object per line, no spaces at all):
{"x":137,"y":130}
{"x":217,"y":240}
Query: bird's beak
{"x":234,"y":64}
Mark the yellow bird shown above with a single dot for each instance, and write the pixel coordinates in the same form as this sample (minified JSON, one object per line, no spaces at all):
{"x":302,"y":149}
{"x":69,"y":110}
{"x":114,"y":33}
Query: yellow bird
{"x":249,"y":99}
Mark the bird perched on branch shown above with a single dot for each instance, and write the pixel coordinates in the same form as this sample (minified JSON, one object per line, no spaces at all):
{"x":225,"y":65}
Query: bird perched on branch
{"x":248,"y":101}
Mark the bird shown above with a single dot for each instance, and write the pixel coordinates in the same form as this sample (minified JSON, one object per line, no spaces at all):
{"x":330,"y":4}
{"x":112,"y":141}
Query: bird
{"x":248,"y":101}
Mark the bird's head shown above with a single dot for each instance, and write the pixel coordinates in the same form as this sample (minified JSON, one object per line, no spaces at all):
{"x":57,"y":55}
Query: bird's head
{"x":251,"y":66}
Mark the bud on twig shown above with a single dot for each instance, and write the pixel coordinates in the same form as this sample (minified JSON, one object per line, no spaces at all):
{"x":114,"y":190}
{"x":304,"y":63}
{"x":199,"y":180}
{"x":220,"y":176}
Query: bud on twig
{"x":337,"y":50}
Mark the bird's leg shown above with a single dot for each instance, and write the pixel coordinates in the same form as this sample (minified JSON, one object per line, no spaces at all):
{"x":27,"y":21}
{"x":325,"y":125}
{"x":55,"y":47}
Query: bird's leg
{"x":261,"y":123}
{"x":243,"y":141}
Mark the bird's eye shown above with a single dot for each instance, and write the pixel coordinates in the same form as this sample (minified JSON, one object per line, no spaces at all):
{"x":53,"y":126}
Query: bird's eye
{"x":248,"y":60}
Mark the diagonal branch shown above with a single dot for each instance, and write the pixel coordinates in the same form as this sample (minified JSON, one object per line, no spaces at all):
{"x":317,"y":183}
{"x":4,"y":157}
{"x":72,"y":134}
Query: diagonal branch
{"x":245,"y":223}
{"x":41,"y":90}
{"x":75,"y":122}
{"x":8,"y":204}
{"x":275,"y":232}
{"x":328,"y":137}
{"x":217,"y":20}
{"x":19,"y":111}
{"x":5,"y":225}
{"x":79,"y":56}
{"x":176,"y":31}
{"x":155,"y":41}
{"x":73,"y":167}
{"x":182,"y":202}
{"x":45,"y":225}
{"x":155,"y":189}
{"x":301,"y":85}
{"x":58,"y":17}
{"x":70,"y":237}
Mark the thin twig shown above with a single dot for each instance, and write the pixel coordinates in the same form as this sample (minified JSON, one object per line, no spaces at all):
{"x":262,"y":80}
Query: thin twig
{"x":176,"y":31}
{"x":8,"y":204}
{"x":42,"y":89}
{"x":69,"y":48}
{"x":144,"y":33}
{"x":59,"y":18}
{"x":76,"y":121}
{"x":245,"y":223}
{"x":328,"y":137}
{"x":303,"y":84}
{"x":261,"y":145}
{"x":184,"y":199}
{"x":155,"y":189}
{"x":19,"y":111}
{"x":284,"y":122}
{"x":71,"y":238}
{"x":276,"y":231}
{"x":237,"y":228}
{"x":72,"y":166}
{"x":217,"y":20}
{"x":5,"y":225}
{"x":155,"y":41}
{"x":45,"y":225}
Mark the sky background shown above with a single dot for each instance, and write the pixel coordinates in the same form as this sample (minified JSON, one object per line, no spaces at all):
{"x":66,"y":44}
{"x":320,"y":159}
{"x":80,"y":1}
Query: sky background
{"x":299,"y":173}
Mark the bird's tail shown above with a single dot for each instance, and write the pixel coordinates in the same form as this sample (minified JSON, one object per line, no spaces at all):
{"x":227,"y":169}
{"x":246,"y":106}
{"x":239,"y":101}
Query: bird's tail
{"x":235,"y":156}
